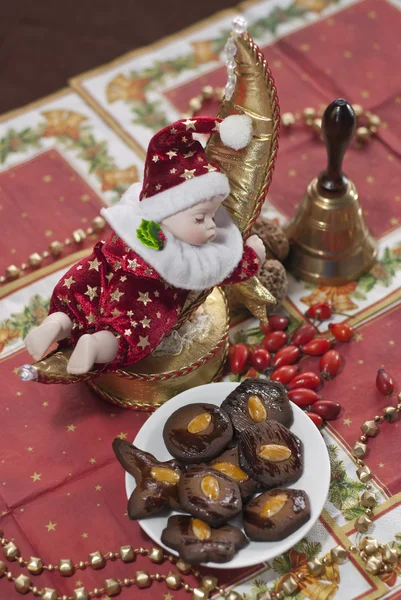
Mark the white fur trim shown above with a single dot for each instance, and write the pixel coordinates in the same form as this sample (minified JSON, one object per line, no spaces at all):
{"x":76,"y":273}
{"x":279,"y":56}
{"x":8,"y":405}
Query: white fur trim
{"x":236,"y":131}
{"x":184,"y":195}
{"x":180,"y":264}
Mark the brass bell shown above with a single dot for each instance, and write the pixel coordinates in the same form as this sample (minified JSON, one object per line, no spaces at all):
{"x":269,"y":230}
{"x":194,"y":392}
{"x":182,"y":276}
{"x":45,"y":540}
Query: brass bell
{"x":330,"y":243}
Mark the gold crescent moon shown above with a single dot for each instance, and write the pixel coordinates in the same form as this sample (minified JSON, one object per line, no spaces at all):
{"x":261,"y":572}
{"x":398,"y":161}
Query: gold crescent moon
{"x":249,"y":170}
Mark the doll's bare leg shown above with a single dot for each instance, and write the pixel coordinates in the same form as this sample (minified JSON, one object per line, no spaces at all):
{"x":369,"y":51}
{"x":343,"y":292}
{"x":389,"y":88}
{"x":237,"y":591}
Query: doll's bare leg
{"x":100,"y":347}
{"x":54,"y":328}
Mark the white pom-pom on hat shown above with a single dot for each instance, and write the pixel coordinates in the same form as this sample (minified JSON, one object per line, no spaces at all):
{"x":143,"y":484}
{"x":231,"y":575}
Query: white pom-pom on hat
{"x":236,"y":131}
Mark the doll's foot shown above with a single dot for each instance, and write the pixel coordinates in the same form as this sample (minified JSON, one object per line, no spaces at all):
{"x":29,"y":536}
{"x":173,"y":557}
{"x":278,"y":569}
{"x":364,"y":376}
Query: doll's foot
{"x":84,"y":356}
{"x":38,"y":340}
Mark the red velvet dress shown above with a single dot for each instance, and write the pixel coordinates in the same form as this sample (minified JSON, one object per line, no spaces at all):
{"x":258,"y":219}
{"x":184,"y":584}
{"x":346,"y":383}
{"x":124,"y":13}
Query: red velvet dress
{"x":115,"y":289}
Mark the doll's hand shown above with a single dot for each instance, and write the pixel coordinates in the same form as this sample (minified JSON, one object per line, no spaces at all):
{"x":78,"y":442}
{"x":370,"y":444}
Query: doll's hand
{"x":256,"y":244}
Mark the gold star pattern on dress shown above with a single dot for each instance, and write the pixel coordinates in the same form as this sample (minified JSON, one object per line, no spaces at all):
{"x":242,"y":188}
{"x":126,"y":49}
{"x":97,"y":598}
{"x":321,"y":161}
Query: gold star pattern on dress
{"x":171,"y":153}
{"x":116,"y":295}
{"x":243,"y":275}
{"x":158,"y":315}
{"x":122,"y":436}
{"x":172,"y":171}
{"x":36,"y":476}
{"x":109,"y":277}
{"x":123,"y":278}
{"x":145,"y":322}
{"x":189,"y":124}
{"x":381,"y":465}
{"x":91,"y":318}
{"x":158,"y":187}
{"x":92,"y":461}
{"x":133,"y":324}
{"x":98,"y":488}
{"x":51,"y":526}
{"x":91,"y":292}
{"x":358,"y":337}
{"x":127,"y":332}
{"x":173,"y":130}
{"x":130,"y":313}
{"x":188,"y":174}
{"x":45,"y":404}
{"x":184,"y":138}
{"x":94,"y":264}
{"x":71,"y":427}
{"x":148,"y":272}
{"x":347,"y":422}
{"x":391,"y":342}
{"x":117,"y":265}
{"x":209,"y":168}
{"x":200,"y":159}
{"x":30,"y":449}
{"x":84,"y":535}
{"x":168,"y":596}
{"x":68,"y":282}
{"x":116,"y":313}
{"x":144,"y":298}
{"x":188,"y":154}
{"x":155,"y":158}
{"x":156,"y":294}
{"x":79,"y":267}
{"x":143,"y":342}
{"x":133,"y":264}
{"x":79,"y":583}
{"x":19,"y":394}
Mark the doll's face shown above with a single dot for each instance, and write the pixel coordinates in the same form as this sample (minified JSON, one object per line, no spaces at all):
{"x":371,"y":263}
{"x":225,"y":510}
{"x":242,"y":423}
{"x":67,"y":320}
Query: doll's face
{"x":195,"y":225}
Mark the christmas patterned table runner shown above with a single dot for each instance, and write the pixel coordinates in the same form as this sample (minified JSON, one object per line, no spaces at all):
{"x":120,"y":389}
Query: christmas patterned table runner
{"x":62,"y":494}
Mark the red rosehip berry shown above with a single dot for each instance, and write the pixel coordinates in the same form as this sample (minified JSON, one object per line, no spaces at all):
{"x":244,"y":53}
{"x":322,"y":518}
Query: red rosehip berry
{"x":238,"y":358}
{"x":307,"y":379}
{"x":260,"y":359}
{"x":284,"y":374}
{"x":303,"y":397}
{"x":265,"y":327}
{"x":330,"y":364}
{"x":318,"y":421}
{"x":326,"y":409}
{"x":278,"y":322}
{"x":341,"y":331}
{"x":384,"y":382}
{"x":304,"y":334}
{"x":321,"y":311}
{"x":316,"y":347}
{"x":274,"y":341}
{"x":286,"y":356}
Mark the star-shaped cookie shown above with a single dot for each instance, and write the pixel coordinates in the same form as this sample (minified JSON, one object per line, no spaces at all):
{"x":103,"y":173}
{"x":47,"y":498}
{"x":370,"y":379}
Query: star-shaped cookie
{"x":156,"y":482}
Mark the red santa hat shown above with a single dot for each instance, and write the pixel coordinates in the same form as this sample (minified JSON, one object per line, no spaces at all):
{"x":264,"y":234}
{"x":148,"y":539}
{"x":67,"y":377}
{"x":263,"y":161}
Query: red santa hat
{"x":177,"y":172}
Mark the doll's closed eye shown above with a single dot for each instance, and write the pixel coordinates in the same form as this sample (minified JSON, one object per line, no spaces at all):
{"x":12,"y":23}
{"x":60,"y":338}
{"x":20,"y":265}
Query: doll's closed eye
{"x":200,"y":219}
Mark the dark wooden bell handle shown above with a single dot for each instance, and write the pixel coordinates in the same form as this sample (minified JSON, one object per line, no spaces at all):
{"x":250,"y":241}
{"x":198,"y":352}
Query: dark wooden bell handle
{"x":338,"y":128}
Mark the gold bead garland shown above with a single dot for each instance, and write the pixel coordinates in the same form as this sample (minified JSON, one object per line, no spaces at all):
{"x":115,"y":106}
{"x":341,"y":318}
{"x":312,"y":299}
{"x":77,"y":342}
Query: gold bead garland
{"x":378,"y":558}
{"x":367,"y":123}
{"x":142,"y":580}
{"x":55,"y":250}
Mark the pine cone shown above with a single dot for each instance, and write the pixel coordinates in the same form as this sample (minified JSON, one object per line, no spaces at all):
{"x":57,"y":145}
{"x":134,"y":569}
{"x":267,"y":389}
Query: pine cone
{"x":273,"y":237}
{"x":273,"y":276}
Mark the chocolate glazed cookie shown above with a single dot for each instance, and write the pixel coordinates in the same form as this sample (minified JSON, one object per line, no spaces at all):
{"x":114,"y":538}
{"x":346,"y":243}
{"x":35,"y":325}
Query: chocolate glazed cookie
{"x":275,"y":515}
{"x":196,"y":542}
{"x":228,"y":463}
{"x":256,"y":401}
{"x":156,"y":482}
{"x":209,"y":495}
{"x":197,"y":432}
{"x":271,"y":454}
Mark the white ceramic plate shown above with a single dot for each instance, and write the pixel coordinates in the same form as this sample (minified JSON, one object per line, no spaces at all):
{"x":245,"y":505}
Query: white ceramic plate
{"x":315,"y":479}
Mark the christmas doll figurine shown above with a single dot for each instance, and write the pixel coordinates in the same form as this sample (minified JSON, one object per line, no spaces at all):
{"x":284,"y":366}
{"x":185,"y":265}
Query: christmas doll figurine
{"x":171,"y":235}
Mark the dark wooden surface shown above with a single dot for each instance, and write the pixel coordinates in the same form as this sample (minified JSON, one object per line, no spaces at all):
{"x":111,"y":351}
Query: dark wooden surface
{"x":43,"y":43}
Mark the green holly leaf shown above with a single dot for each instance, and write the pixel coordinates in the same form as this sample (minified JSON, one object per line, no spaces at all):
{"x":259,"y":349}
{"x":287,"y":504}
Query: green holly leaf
{"x":150,"y":234}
